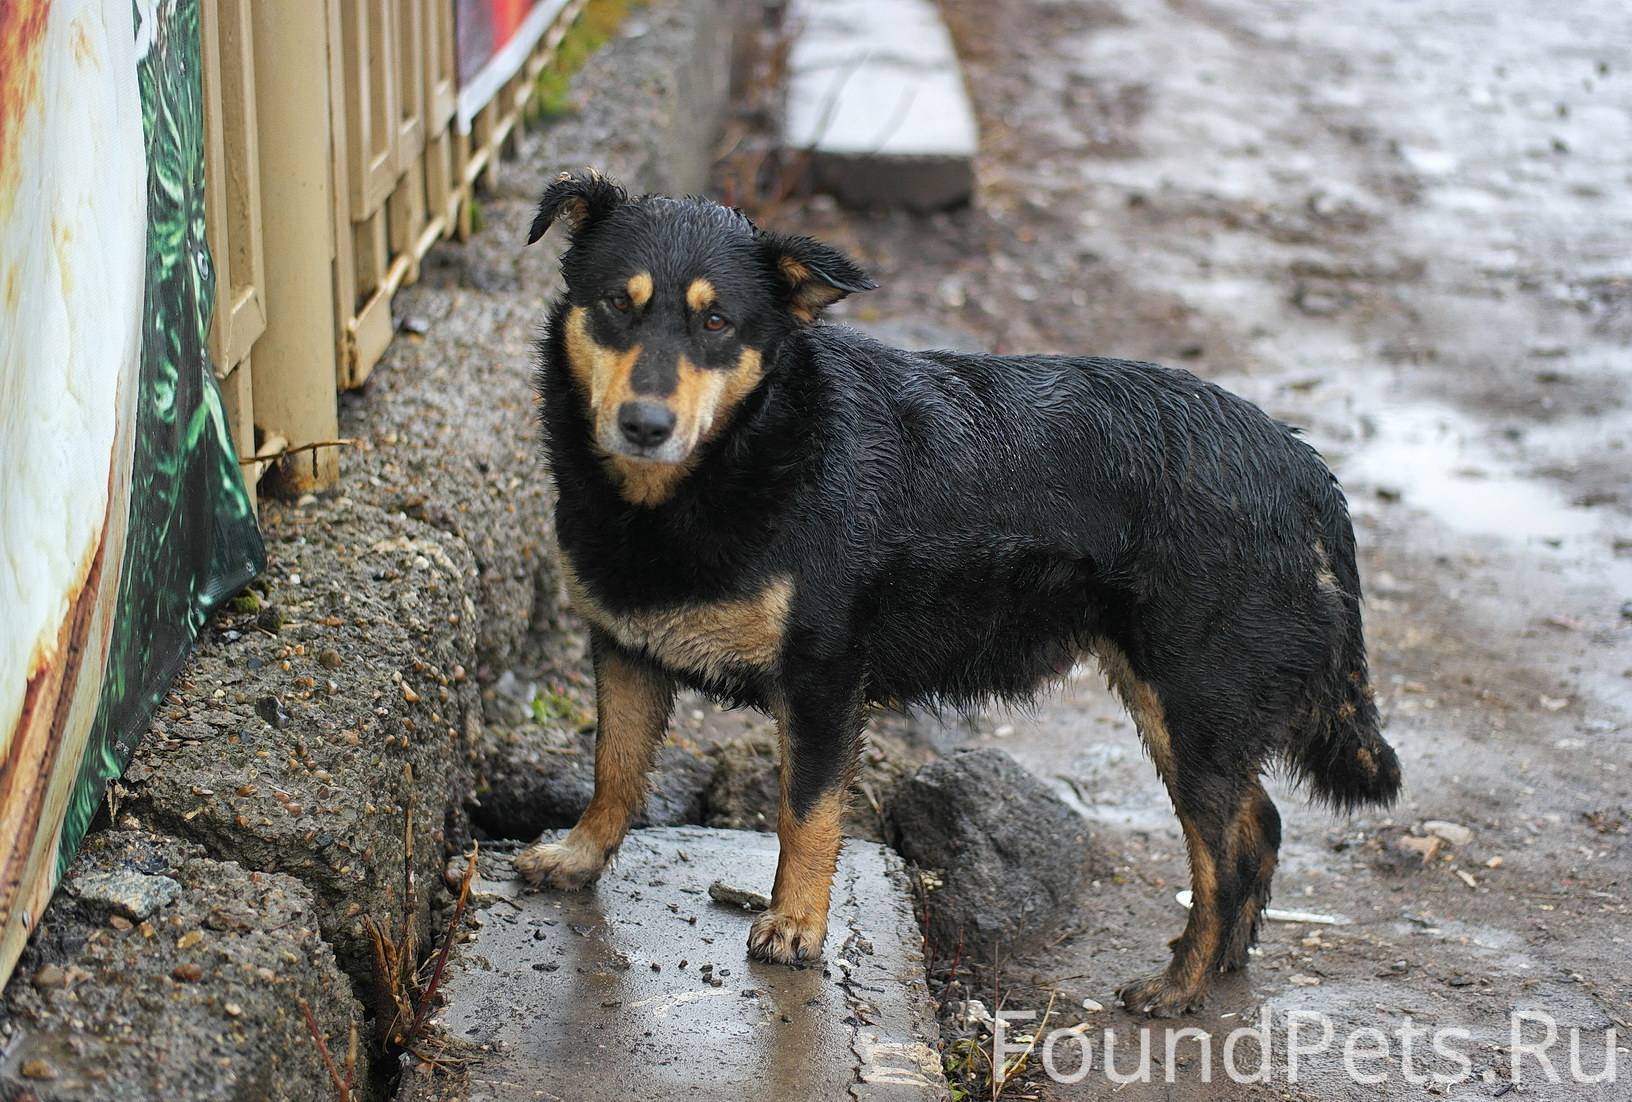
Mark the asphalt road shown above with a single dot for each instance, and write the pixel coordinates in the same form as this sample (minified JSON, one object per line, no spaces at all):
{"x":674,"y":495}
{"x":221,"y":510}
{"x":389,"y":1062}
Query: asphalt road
{"x":1405,"y":228}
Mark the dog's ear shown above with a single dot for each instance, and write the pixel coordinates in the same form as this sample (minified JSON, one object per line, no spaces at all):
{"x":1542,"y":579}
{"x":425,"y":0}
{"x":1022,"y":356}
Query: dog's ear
{"x":813,"y":275}
{"x":578,"y":198}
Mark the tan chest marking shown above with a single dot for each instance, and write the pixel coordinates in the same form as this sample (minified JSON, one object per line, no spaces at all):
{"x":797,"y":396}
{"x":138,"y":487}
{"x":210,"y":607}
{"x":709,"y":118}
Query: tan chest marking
{"x":709,"y":639}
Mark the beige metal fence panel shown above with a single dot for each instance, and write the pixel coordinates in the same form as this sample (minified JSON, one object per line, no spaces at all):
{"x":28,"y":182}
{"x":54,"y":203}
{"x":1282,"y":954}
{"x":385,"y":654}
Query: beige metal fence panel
{"x":233,"y":209}
{"x":334,"y":124}
{"x":294,"y":376}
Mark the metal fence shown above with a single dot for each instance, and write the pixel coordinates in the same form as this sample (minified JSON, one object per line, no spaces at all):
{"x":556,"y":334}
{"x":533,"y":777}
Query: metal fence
{"x":337,"y":152}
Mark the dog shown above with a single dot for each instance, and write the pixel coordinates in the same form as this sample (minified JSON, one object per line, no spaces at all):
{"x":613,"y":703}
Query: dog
{"x":789,"y":515}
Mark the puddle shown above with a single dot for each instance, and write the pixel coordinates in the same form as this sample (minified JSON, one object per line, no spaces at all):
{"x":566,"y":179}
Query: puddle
{"x":1439,"y":462}
{"x":1433,"y":459}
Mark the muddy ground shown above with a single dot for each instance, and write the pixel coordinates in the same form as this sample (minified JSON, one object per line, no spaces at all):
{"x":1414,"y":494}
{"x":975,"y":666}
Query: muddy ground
{"x":1405,"y":229}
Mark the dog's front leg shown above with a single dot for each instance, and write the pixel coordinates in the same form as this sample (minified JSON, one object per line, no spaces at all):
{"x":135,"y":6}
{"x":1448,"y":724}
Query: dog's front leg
{"x":819,"y":722}
{"x":632,"y":703}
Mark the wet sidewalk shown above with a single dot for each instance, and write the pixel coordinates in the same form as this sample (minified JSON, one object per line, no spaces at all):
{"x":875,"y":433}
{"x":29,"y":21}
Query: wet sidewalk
{"x":641,"y":988}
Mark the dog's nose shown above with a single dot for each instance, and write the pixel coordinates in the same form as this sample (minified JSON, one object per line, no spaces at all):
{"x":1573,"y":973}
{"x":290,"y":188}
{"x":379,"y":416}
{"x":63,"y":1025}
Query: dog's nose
{"x":645,"y":424}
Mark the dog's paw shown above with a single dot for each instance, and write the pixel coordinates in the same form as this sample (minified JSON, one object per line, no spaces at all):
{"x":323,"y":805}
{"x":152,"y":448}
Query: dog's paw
{"x":560,"y":865}
{"x":1160,"y":996}
{"x":786,"y":939}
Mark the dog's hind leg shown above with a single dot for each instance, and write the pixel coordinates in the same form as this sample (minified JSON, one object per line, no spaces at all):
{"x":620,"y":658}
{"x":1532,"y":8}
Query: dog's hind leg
{"x":1254,"y":843}
{"x":1202,"y":803}
{"x":819,"y":723}
{"x":1222,"y":810}
{"x":632,"y":704}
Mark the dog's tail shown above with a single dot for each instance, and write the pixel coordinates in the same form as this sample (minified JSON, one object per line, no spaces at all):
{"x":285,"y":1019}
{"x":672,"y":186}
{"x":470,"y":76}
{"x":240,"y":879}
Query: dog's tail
{"x":1341,"y":752}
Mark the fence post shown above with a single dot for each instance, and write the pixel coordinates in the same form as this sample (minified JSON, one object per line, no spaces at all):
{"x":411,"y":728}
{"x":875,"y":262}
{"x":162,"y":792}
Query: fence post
{"x":295,"y":359}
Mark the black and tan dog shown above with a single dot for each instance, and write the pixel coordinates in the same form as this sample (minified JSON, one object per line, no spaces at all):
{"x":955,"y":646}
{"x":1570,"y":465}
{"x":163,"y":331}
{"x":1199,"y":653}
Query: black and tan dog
{"x":789,"y":515}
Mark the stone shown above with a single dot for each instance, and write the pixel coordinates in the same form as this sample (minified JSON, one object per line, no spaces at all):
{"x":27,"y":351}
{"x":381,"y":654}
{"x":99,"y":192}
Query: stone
{"x":134,"y":895}
{"x":1009,"y":854}
{"x":876,"y":96}
{"x":1454,"y":833}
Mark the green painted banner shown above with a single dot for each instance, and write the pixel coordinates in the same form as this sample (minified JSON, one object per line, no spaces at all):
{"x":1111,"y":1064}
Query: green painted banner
{"x":123,"y":518}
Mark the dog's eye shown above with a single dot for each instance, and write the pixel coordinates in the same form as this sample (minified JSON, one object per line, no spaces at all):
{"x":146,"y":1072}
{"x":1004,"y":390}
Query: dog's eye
{"x":619,"y":302}
{"x":715,"y":323}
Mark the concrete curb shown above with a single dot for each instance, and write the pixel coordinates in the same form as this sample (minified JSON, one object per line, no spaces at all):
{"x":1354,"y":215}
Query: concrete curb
{"x":877,"y":96}
{"x":645,"y":969}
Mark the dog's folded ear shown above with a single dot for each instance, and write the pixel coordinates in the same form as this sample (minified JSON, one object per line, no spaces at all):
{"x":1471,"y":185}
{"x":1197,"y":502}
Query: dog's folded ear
{"x":814,"y":275}
{"x":578,"y":198}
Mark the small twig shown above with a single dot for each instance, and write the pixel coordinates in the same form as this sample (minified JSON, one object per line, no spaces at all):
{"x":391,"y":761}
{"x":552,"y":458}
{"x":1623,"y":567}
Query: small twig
{"x":351,"y":1058}
{"x":273,"y":457}
{"x":406,"y":944}
{"x":342,"y":1086}
{"x":1011,"y":1068}
{"x":425,"y":997}
{"x":957,"y":959}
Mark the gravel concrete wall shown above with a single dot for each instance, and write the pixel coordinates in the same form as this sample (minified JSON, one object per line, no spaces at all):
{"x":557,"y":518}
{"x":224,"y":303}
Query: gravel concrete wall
{"x":263,"y":813}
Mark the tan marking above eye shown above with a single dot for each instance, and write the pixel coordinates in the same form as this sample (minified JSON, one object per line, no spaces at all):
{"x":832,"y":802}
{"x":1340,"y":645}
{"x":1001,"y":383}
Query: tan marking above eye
{"x":700,"y":294}
{"x":640,"y":288}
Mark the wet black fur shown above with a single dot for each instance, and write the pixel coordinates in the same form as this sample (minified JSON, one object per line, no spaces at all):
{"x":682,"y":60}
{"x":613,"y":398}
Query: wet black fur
{"x":963,"y":528}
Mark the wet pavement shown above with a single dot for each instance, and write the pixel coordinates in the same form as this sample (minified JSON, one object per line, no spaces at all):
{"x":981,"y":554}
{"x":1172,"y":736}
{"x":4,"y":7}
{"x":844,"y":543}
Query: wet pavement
{"x":641,"y":989}
{"x":1404,"y":228}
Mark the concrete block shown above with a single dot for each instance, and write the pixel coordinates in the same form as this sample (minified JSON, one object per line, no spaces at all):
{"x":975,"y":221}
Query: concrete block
{"x":284,"y":744}
{"x":200,"y":999}
{"x":876,"y":94}
{"x":641,"y":987}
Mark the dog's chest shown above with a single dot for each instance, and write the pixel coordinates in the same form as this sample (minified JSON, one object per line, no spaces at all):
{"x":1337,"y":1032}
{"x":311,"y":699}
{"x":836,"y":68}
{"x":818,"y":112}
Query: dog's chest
{"x":709,"y":639}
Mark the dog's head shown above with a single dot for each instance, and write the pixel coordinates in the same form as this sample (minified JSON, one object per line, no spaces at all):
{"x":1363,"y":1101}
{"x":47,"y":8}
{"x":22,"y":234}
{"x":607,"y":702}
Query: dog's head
{"x":672,"y":306}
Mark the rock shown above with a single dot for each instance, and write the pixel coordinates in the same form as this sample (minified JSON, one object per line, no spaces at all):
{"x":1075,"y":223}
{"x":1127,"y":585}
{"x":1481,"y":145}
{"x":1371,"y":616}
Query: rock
{"x":270,"y":708}
{"x":731,"y":895}
{"x":1319,"y":302}
{"x":1454,"y":833}
{"x":971,"y":1013}
{"x":133,"y":895}
{"x":1010,"y":853}
{"x":744,"y":792}
{"x":676,"y":789}
{"x":50,"y":977}
{"x":146,"y":1020}
{"x":38,"y":1069}
{"x":511,"y":701}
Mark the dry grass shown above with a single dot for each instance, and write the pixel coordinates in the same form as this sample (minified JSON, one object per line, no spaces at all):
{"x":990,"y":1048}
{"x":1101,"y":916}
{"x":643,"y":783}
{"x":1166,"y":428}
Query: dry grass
{"x":405,"y":987}
{"x":404,"y":991}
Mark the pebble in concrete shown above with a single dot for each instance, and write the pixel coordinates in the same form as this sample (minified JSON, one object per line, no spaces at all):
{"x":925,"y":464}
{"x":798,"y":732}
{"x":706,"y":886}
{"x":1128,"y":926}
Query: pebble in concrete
{"x":133,"y":895}
{"x":641,"y":988}
{"x":876,"y":95}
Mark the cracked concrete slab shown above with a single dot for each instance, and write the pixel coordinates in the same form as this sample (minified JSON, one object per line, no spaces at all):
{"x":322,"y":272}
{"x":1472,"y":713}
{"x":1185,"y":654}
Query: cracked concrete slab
{"x":641,"y":988}
{"x":876,"y":94}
